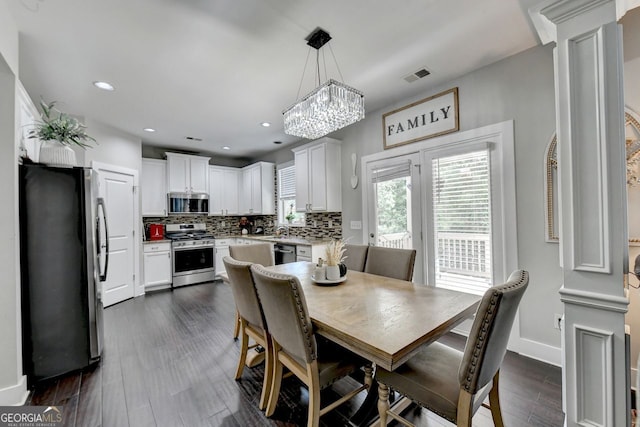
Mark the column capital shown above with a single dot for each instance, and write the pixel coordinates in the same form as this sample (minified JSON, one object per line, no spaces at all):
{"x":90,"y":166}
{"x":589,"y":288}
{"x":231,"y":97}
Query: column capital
{"x":546,"y":15}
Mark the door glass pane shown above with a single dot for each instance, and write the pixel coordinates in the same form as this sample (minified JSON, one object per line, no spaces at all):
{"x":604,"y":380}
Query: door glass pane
{"x":462,"y":222}
{"x":393,"y":211}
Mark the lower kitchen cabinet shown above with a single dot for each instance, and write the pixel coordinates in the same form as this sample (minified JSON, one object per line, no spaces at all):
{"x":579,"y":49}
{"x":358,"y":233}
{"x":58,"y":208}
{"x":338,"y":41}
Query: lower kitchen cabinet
{"x":222,"y":250}
{"x":157,"y":265}
{"x":311,"y":252}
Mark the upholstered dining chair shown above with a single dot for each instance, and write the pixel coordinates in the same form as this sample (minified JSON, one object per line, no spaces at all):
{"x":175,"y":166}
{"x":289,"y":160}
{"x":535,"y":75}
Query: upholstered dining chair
{"x":356,"y":256}
{"x":391,"y":262}
{"x":257,"y":253}
{"x":252,"y":322}
{"x":316,"y":362}
{"x":454,"y":384}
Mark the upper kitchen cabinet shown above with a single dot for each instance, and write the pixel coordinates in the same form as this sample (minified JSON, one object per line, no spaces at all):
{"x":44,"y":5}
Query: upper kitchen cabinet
{"x":318,"y":176}
{"x":153,"y":186}
{"x":187,"y":174}
{"x":257,"y":189}
{"x":224,"y":184}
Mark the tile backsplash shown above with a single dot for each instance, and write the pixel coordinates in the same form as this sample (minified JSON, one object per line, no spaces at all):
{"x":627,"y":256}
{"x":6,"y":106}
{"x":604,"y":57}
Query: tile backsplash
{"x":319,"y":225}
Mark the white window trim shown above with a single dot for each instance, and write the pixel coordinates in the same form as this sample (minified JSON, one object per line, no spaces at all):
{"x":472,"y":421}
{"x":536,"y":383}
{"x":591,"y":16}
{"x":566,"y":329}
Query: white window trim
{"x":278,"y":199}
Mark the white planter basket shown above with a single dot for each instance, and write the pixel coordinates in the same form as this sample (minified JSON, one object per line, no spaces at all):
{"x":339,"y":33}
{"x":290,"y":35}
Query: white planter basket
{"x":53,"y":153}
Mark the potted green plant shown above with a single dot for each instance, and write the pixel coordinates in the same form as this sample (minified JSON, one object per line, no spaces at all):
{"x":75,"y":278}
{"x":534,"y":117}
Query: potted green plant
{"x":58,"y":132}
{"x":290,"y":216}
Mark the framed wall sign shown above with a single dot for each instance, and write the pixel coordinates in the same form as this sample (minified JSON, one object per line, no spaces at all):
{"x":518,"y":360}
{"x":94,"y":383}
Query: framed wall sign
{"x":427,"y":118}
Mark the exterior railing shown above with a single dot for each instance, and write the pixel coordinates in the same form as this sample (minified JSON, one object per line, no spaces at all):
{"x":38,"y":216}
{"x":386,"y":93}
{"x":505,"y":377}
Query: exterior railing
{"x":395,"y":240}
{"x":460,"y":253}
{"x":468,"y":254}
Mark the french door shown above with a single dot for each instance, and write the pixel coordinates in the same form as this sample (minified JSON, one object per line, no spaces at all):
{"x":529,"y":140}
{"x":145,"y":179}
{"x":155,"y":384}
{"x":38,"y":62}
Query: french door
{"x":393,"y":193}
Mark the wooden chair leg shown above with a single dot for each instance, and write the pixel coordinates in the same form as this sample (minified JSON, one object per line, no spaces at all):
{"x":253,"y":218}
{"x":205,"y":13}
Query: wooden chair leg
{"x":276,"y":380}
{"x":465,"y":409}
{"x":383,"y":403}
{"x":314,"y":395}
{"x":494,"y":402}
{"x":236,"y":326}
{"x":268,"y":373}
{"x":244,"y":347}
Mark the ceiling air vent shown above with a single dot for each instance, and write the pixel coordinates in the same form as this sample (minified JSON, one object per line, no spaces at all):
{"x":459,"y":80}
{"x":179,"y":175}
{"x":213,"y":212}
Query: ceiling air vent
{"x":192,"y":138}
{"x":423,"y":72}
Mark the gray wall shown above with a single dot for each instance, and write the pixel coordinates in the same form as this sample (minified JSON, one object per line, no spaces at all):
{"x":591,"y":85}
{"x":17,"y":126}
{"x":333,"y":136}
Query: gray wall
{"x":12,"y":382}
{"x":519,"y":88}
{"x":112,"y":146}
{"x":10,"y":340}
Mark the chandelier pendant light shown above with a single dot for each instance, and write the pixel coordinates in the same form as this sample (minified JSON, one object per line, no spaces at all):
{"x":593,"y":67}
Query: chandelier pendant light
{"x":331,"y":106}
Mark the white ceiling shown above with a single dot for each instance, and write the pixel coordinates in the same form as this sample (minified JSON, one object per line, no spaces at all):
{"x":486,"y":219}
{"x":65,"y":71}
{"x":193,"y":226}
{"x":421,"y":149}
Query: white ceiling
{"x":216,"y":69}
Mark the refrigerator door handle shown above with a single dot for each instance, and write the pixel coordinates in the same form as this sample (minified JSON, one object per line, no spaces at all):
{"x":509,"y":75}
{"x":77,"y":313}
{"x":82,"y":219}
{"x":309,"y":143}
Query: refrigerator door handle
{"x":101,"y":207}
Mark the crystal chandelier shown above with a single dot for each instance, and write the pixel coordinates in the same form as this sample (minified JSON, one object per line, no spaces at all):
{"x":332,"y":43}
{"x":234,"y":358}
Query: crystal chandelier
{"x":331,"y":106}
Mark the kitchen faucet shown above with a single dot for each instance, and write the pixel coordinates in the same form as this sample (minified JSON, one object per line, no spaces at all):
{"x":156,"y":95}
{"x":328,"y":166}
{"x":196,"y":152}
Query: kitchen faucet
{"x":281,"y":229}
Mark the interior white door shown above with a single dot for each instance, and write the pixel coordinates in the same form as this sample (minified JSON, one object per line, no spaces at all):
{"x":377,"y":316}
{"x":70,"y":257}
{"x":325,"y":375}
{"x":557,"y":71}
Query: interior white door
{"x":117,"y":191}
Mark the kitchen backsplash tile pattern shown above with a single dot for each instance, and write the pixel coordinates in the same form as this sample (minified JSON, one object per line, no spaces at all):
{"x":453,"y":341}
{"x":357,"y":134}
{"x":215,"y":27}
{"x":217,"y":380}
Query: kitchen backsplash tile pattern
{"x":321,"y":225}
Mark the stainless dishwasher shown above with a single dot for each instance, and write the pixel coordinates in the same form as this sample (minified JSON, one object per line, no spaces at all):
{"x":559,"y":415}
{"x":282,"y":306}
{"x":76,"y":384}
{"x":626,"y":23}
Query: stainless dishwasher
{"x":284,"y":254}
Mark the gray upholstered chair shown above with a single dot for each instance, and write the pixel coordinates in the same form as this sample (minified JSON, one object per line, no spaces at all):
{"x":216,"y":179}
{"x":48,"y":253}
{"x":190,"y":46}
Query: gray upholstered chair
{"x":454,"y":384}
{"x":356,"y":256}
{"x":252,"y":323}
{"x":391,"y":262}
{"x":316,"y":362}
{"x":257,"y":253}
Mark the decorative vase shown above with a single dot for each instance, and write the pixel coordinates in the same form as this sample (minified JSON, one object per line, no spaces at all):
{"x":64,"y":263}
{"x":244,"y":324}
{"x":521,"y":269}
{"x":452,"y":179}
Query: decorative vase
{"x":333,"y":272}
{"x":53,"y":153}
{"x":343,"y":269}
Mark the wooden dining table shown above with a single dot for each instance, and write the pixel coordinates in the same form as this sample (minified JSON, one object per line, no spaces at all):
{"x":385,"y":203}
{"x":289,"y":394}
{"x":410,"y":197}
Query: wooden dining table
{"x":383,"y":320}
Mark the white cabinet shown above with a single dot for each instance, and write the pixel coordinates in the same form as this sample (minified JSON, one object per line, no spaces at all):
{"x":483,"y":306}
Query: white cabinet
{"x":223,"y":190}
{"x":257,"y":189}
{"x":187,"y":174}
{"x":222,"y":250}
{"x":157,"y":265}
{"x":311,"y":252}
{"x":153,"y":187}
{"x":318,"y":176}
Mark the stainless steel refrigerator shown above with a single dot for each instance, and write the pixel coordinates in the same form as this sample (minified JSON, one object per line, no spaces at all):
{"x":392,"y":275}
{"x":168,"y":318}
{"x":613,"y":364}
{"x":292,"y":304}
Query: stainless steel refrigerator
{"x":64,"y":259}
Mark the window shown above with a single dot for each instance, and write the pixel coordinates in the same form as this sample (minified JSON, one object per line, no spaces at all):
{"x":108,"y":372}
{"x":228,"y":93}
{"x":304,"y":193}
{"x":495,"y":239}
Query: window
{"x":287,"y":197}
{"x":461,"y":211}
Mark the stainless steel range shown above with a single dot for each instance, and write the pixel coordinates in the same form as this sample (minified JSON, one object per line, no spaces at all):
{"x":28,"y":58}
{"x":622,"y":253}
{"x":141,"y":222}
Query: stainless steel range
{"x":193,"y":253}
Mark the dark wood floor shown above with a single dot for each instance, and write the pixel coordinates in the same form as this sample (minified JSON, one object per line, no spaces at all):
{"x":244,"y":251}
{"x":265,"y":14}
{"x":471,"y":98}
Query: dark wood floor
{"x":169,"y":360}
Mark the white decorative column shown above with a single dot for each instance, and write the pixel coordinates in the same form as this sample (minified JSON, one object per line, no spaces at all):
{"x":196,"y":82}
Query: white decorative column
{"x":593,"y":223}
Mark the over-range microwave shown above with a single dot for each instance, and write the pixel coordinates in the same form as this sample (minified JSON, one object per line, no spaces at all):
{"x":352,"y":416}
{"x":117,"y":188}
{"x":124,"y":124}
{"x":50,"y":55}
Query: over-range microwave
{"x":188,"y":203}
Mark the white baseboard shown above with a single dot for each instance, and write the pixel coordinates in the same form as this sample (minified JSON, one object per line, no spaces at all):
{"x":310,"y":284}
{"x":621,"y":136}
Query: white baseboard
{"x":542,"y":352}
{"x":15,"y":395}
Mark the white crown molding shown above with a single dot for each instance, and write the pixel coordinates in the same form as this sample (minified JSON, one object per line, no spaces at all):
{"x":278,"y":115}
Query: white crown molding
{"x":547,"y":11}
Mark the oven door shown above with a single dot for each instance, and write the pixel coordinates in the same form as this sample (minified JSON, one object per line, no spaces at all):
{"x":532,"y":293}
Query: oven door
{"x":193,"y":260}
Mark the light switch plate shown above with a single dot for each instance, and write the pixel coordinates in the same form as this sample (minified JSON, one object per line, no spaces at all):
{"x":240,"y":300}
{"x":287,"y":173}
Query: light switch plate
{"x":356,"y":225}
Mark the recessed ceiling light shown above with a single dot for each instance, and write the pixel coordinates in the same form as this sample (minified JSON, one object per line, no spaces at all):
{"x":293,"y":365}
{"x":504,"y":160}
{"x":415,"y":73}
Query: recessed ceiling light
{"x":149,"y":129}
{"x":104,"y":86}
{"x":226,"y":147}
{"x":265,"y":124}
